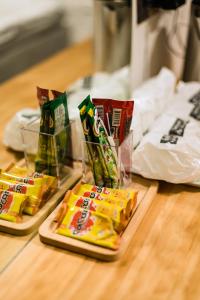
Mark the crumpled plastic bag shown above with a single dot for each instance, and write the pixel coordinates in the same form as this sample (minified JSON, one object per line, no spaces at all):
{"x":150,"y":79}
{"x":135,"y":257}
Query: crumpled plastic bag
{"x":151,"y":99}
{"x":12,"y":136}
{"x":170,"y":151}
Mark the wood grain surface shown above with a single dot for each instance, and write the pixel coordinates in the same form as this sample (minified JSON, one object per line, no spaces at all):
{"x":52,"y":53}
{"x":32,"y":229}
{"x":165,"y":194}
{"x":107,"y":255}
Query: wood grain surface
{"x":162,"y":260}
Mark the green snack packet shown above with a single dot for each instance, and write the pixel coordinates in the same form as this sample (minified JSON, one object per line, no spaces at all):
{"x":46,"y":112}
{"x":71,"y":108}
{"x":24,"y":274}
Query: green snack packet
{"x":105,"y":151}
{"x":58,"y":121}
{"x":54,"y":141}
{"x":91,"y":147}
{"x":41,"y":158}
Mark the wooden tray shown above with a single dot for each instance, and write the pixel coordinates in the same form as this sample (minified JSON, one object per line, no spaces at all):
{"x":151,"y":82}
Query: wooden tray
{"x":30,"y":223}
{"x":147,"y":190}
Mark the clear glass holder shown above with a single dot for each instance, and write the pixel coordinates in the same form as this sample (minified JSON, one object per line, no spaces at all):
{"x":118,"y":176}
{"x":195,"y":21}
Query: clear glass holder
{"x":46,"y":153}
{"x":107,"y":165}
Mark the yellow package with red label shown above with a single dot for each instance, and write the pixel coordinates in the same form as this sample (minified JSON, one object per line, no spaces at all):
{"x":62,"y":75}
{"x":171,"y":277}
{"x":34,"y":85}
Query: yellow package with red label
{"x":114,"y":212}
{"x":50,"y":181}
{"x":45,"y":182}
{"x":89,"y":226}
{"x":33,"y":192}
{"x":123,"y":198}
{"x":11,"y":206}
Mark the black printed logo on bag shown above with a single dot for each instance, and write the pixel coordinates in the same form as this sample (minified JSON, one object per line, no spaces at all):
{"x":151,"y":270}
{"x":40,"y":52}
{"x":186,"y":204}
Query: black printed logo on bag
{"x":195,"y":113}
{"x":196,"y":98}
{"x":178,"y":127}
{"x":176,"y":131}
{"x":167,"y":138}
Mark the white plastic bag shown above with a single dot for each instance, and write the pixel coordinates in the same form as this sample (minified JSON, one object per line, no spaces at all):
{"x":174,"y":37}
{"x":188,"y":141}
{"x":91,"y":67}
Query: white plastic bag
{"x":12,"y":134}
{"x":170,"y":151}
{"x":151,"y":99}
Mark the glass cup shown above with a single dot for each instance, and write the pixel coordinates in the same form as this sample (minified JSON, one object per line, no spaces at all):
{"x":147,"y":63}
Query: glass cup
{"x":50,"y":154}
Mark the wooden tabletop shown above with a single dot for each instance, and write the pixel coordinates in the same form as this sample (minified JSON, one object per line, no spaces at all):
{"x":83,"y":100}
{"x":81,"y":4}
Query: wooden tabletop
{"x":163,"y":259}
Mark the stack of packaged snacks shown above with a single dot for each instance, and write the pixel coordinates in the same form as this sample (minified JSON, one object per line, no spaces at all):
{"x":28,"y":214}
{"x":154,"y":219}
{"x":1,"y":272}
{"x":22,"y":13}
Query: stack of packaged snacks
{"x":101,"y":153}
{"x":54,"y":140}
{"x":11,"y":206}
{"x":20,"y":193}
{"x":96,"y":215}
{"x":117,"y":117}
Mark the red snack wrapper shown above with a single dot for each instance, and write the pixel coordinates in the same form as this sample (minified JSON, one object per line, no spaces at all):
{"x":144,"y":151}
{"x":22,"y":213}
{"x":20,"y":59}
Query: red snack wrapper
{"x":116,"y":115}
{"x":56,"y":94}
{"x":42,"y":95}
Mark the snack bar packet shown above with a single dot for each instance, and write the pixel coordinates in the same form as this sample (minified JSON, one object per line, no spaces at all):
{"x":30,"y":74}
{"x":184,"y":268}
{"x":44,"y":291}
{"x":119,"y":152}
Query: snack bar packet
{"x":88,"y":226}
{"x":101,"y":155}
{"x":41,"y":159}
{"x":11,"y":206}
{"x":34,"y":194}
{"x":49,"y":183}
{"x":114,"y":212}
{"x":59,"y":119}
{"x":27,"y":180}
{"x":56,"y":93}
{"x":22,"y":173}
{"x":127,"y":195}
{"x":42,"y":95}
{"x":127,"y":204}
{"x":105,"y":152}
{"x":116,"y":115}
{"x":54,"y":121}
{"x":93,"y":155}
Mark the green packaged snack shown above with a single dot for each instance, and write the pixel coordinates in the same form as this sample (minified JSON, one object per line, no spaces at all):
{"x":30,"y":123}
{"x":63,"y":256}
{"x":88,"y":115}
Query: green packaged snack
{"x":54,"y":142}
{"x":106,"y":153}
{"x":91,"y":147}
{"x":41,"y":159}
{"x":101,"y":156}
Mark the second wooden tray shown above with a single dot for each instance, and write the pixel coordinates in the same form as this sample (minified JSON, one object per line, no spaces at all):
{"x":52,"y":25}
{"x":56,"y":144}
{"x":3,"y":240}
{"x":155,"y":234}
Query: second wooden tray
{"x":147,"y":190}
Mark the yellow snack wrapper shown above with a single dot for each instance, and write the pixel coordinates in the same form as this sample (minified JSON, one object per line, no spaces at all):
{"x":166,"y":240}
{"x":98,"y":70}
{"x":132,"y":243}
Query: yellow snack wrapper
{"x":48,"y":183}
{"x":114,"y":212}
{"x":33,"y":192}
{"x":23,"y":172}
{"x":11,"y":206}
{"x":89,"y":226}
{"x":26,"y":180}
{"x":121,"y":198}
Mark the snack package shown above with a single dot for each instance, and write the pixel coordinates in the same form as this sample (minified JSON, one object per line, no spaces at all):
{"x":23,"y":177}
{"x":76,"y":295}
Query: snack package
{"x":26,"y":180}
{"x":114,"y":212}
{"x":56,"y":93}
{"x":88,"y":226}
{"x":11,"y":206}
{"x":126,"y":195}
{"x":48,"y":184}
{"x":34,"y":194}
{"x":116,"y":115}
{"x":101,"y":154}
{"x":127,"y":204}
{"x":21,"y":175}
{"x":54,"y":141}
{"x":105,"y":151}
{"x":42,"y":95}
{"x":93,"y":156}
{"x":43,"y":98}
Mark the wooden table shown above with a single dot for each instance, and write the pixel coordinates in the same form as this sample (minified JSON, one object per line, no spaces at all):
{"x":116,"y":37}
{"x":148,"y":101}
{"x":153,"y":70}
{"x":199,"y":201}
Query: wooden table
{"x":163,"y":259}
